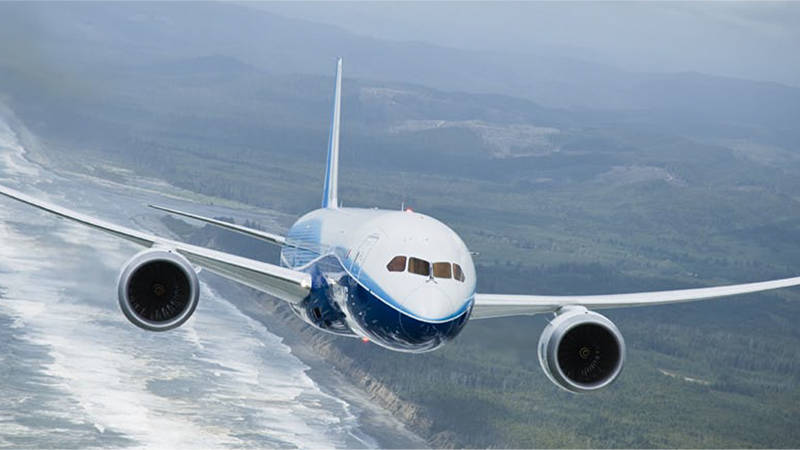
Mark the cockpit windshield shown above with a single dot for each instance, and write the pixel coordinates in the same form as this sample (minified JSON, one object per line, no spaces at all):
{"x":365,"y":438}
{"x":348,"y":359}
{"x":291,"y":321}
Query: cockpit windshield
{"x":419,"y":266}
{"x":397,"y":264}
{"x":441,"y":269}
{"x":458,"y":274}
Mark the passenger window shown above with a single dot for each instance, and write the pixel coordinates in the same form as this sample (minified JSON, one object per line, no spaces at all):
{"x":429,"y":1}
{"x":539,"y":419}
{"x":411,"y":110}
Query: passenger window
{"x":397,"y":264}
{"x":458,"y":274}
{"x":419,"y":266}
{"x":442,"y":270}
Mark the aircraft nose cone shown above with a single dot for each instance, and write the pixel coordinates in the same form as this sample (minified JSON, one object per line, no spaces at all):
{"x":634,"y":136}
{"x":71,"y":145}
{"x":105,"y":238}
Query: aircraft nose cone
{"x":431,"y":302}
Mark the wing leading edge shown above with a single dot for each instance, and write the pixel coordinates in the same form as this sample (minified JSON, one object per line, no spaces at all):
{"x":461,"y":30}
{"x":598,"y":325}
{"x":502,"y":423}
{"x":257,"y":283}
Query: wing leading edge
{"x":286,"y":284}
{"x":502,"y":305}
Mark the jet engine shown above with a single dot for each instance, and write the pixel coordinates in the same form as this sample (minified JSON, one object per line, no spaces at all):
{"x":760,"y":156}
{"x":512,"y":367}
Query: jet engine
{"x":581,"y":351}
{"x":158,"y":290}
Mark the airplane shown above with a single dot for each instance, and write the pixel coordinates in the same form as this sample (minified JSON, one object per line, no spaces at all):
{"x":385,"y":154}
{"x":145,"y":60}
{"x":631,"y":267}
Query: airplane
{"x":398,"y":278}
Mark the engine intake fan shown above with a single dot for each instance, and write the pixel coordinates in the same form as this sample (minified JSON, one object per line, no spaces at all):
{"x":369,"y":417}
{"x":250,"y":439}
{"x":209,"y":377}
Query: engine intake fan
{"x":581,"y":351}
{"x":158,"y":290}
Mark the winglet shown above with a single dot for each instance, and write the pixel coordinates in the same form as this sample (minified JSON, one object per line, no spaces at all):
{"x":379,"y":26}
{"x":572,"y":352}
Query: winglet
{"x":330,"y":191}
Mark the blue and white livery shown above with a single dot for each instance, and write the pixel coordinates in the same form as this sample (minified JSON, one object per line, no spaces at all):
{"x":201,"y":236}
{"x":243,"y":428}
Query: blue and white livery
{"x":400,"y":279}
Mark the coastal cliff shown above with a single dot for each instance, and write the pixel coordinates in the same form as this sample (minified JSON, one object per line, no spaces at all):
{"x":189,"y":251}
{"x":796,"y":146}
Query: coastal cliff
{"x":313,"y":346}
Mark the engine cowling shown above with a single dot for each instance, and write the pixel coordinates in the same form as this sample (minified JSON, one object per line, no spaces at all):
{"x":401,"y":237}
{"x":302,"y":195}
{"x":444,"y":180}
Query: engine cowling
{"x":158,"y":290}
{"x":581,"y":350}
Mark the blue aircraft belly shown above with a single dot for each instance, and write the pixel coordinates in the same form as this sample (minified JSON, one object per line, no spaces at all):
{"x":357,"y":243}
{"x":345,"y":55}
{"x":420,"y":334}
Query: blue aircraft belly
{"x":391,"y":328}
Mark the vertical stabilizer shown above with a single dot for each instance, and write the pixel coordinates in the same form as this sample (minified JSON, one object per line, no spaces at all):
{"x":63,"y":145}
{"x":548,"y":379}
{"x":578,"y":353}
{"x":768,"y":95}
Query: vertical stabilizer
{"x":330,"y":192}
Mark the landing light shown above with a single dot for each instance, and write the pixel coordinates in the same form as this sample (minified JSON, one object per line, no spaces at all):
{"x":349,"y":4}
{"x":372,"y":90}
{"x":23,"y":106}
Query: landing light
{"x":409,"y":209}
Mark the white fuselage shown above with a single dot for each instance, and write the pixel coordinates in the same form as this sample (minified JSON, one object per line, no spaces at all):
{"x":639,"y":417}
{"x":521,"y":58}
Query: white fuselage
{"x":375,"y":266}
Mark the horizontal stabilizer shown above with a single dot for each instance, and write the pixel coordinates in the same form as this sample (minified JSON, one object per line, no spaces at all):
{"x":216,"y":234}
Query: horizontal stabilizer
{"x":258,"y":234}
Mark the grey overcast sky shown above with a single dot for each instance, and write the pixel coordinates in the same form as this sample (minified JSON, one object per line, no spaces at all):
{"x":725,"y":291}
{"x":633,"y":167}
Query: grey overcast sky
{"x":754,"y":40}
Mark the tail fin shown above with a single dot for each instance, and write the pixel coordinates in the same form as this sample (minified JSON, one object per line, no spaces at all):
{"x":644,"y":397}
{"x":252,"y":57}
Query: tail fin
{"x":330,"y":192}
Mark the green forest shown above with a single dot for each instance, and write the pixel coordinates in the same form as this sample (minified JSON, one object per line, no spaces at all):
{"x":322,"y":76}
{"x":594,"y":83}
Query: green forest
{"x":554,"y":201}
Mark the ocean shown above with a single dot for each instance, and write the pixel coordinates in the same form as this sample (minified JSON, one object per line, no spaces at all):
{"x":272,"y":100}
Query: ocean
{"x":76,"y":373}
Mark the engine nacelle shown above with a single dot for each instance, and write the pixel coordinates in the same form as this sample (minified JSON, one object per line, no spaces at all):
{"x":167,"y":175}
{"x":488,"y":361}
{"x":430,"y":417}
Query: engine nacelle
{"x":158,"y":290}
{"x":581,"y":351}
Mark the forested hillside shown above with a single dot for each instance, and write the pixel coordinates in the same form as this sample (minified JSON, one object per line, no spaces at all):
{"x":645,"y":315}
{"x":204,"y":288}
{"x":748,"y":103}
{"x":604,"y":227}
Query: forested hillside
{"x":691,"y":181}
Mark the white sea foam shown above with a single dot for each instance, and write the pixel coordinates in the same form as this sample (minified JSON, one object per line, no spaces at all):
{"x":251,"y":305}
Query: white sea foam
{"x":12,"y":153}
{"x":220,"y":380}
{"x":89,"y":359}
{"x":259,"y":372}
{"x":106,"y":365}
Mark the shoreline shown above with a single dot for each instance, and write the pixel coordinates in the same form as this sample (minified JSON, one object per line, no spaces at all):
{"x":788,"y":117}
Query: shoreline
{"x":308,"y":345}
{"x":333,"y":372}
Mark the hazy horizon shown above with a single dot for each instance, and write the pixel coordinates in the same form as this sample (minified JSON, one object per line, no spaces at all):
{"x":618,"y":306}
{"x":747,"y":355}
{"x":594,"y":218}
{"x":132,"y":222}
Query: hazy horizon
{"x":749,"y":40}
{"x":530,"y":130}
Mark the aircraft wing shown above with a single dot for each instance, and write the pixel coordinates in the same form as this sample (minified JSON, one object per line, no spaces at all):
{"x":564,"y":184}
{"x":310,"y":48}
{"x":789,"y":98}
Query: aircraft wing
{"x":286,"y":284}
{"x":502,"y":305}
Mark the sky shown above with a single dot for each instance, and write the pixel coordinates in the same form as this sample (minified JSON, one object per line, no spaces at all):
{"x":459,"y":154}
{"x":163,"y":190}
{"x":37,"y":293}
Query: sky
{"x":753,"y":40}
